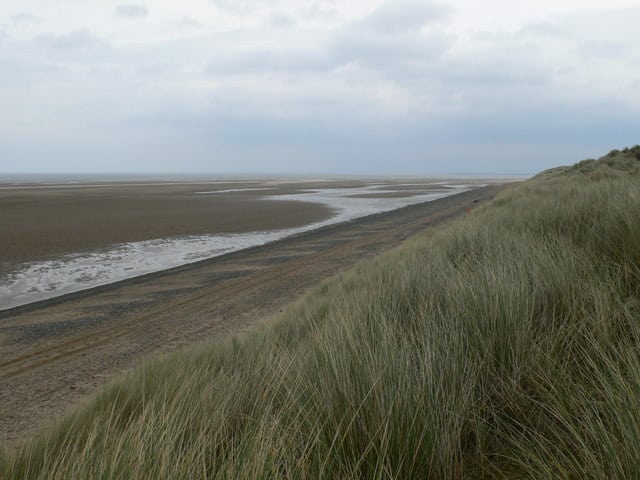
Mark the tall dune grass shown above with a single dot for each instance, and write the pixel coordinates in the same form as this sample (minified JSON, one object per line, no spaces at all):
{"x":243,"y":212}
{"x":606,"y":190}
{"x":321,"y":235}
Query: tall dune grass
{"x":504,"y":345}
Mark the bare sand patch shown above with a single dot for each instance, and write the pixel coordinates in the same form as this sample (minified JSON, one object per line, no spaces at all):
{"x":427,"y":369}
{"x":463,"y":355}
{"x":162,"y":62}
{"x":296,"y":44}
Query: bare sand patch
{"x":44,"y":221}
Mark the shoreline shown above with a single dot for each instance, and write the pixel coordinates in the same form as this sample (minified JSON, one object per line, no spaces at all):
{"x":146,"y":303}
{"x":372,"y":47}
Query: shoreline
{"x":231,"y":255}
{"x":35,"y":281}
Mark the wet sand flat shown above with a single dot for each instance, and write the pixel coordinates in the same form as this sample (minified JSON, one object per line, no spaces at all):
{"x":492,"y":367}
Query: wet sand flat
{"x":63,"y":238}
{"x":43,"y":221}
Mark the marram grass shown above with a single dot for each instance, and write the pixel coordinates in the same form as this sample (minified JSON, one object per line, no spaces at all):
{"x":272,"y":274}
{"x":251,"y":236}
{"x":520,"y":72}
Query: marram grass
{"x":503,"y":345}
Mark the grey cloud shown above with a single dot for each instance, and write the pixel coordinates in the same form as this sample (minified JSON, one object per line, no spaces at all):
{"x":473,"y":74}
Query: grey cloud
{"x":22,"y":18}
{"x":383,"y":53}
{"x":543,"y":29}
{"x":488,"y":72}
{"x":404,"y":16}
{"x":241,"y":6}
{"x":81,"y":39}
{"x":155,"y":68}
{"x":602,"y":49}
{"x":26,"y":63}
{"x":131,"y":10}
{"x":316,"y":11}
{"x":15,"y":73}
{"x":509,"y":60}
{"x":280,"y":20}
{"x":539,"y":51}
{"x":350,"y":45}
{"x":369,"y":53}
{"x":188,"y":22}
{"x":291,"y":60}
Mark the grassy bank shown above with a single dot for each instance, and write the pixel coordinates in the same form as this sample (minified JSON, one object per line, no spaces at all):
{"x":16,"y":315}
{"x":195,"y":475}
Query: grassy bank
{"x":504,"y":345}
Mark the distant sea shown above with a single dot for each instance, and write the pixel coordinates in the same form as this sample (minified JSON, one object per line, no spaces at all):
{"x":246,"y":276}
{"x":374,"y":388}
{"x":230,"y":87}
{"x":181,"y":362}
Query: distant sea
{"x":79,"y":178}
{"x":61,"y":178}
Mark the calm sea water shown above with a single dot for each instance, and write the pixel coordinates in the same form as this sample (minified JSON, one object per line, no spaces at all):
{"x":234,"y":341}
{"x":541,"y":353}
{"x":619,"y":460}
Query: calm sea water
{"x":72,"y":178}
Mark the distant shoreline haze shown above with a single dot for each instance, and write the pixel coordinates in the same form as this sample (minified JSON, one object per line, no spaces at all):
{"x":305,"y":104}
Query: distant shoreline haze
{"x":81,"y":178}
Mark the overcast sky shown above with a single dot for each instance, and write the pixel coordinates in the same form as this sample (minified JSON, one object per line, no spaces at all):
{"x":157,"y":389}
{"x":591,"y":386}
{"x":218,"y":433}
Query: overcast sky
{"x":315,"y":86}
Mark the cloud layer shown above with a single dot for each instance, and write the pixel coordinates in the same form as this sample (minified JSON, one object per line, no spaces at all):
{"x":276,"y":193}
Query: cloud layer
{"x":314,"y":86}
{"x":130,"y":10}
